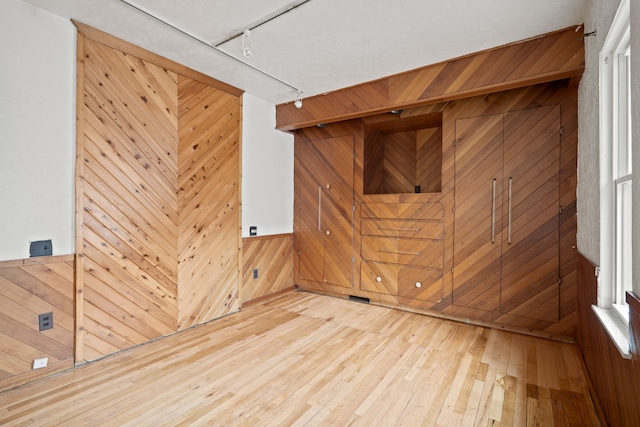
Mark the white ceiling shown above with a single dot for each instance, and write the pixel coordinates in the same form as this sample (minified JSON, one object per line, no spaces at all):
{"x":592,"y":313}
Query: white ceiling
{"x":320,"y":45}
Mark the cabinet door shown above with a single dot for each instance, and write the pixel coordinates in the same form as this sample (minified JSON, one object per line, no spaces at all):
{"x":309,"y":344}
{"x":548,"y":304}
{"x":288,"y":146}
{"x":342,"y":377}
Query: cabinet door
{"x":530,"y":240}
{"x":324,"y":210}
{"x":478,"y":212}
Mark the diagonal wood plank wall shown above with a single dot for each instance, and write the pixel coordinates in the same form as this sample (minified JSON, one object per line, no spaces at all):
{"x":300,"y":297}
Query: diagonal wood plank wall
{"x":273,"y":257}
{"x":130,"y":212}
{"x":28,"y":288}
{"x":208,"y":203}
{"x":158,"y":178}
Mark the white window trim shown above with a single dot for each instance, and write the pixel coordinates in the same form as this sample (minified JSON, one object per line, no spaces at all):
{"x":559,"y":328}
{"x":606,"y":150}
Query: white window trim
{"x":614,"y":320}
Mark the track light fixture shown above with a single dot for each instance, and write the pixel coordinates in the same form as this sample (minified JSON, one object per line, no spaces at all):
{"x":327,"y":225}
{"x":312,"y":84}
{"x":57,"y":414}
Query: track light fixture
{"x":298,"y":101}
{"x":247,"y":44}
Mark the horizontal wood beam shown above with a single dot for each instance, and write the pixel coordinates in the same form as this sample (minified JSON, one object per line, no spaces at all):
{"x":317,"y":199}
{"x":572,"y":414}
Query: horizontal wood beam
{"x":553,"y":56}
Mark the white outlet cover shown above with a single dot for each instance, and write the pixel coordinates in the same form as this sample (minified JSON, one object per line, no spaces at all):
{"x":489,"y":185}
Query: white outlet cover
{"x":40,"y":362}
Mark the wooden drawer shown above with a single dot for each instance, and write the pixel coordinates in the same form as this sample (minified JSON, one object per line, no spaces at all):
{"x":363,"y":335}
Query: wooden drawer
{"x":418,"y":252}
{"x":429,"y":211}
{"x":420,"y":283}
{"x":402,"y":228}
{"x":380,"y":278}
{"x":416,"y":283}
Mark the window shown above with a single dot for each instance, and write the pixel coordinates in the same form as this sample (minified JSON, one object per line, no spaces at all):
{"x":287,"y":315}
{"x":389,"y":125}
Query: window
{"x":616,"y":180}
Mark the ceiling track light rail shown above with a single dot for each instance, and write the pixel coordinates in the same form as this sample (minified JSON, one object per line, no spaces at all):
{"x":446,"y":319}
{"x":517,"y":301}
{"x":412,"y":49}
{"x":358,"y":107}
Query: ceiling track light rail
{"x":209,"y":45}
{"x":263,"y":21}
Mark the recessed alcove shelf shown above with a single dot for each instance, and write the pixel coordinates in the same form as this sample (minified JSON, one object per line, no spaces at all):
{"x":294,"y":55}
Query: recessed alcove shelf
{"x":403,"y":154}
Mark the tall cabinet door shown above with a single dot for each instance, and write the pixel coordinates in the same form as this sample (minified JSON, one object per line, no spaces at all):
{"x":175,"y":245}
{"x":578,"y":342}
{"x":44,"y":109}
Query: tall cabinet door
{"x":478,"y":212}
{"x":531,"y":198}
{"x":324,"y":210}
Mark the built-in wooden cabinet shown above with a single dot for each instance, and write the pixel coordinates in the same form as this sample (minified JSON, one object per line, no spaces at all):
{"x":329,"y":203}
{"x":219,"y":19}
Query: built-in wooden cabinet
{"x":466,"y":208}
{"x":324,"y":210}
{"x":507,"y":203}
{"x":402,"y":249}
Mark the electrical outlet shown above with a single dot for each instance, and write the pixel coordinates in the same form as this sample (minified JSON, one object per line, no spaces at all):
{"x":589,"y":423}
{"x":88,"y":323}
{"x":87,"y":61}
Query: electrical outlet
{"x":45,"y":321}
{"x":253,"y":230}
{"x":40,"y":248}
{"x":40,"y":362}
{"x":255,"y":273}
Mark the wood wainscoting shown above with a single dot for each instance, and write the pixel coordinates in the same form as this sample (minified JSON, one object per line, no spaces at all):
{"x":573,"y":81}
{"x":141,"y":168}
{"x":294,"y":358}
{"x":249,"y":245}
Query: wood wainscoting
{"x":616,"y":380}
{"x":273,"y":257}
{"x":28,"y":288}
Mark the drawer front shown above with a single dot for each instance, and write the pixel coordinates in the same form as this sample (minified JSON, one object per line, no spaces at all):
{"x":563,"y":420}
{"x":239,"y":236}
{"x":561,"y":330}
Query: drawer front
{"x":402,"y":228}
{"x":428,"y":211}
{"x":380,"y":278}
{"x":420,"y":283}
{"x":423,"y":253}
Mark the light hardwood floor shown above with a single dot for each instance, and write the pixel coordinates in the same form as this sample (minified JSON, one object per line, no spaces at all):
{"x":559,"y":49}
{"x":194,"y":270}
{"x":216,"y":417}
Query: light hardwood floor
{"x":305,"y":359}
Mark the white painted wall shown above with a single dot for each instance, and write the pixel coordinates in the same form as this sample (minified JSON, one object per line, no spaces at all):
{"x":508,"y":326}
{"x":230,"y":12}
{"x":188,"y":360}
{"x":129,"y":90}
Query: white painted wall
{"x":37,"y":140}
{"x":599,"y":16}
{"x":37,"y":130}
{"x":267,"y":170}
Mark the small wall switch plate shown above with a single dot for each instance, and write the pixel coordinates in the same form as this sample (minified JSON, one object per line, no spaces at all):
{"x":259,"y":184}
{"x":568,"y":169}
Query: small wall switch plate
{"x":45,"y":321}
{"x":253,"y":230}
{"x":40,"y":362}
{"x":40,"y":248}
{"x":255,"y":273}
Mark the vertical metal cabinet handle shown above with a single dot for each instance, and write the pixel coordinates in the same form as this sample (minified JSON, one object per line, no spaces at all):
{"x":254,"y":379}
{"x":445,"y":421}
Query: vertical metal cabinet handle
{"x":319,"y":208}
{"x":510,"y":192}
{"x":493,"y":213}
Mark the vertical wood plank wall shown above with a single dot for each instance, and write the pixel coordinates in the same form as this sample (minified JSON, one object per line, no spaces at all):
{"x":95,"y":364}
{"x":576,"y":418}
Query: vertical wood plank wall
{"x":158,"y":245}
{"x":28,"y":288}
{"x":615,"y":380}
{"x":273,"y":257}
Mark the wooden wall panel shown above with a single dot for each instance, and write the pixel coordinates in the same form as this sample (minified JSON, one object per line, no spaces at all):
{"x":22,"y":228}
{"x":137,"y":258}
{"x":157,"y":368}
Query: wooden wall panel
{"x":129,"y":201}
{"x":634,"y":325}
{"x":208,"y":202}
{"x":429,"y":159}
{"x":273,"y":257}
{"x":158,"y":197}
{"x":28,"y":288}
{"x":399,"y":162}
{"x":374,"y":163}
{"x":616,"y":381}
{"x":541,"y":59}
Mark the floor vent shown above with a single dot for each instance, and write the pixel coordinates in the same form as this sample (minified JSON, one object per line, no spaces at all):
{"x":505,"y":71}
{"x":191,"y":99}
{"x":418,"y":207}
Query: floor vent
{"x":359,"y":299}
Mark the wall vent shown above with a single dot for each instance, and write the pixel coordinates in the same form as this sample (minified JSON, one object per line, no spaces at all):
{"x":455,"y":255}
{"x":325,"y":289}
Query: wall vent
{"x":358,"y":299}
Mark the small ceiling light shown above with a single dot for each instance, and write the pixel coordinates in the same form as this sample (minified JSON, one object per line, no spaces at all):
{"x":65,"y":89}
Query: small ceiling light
{"x":396,"y":111}
{"x":247,"y":44}
{"x":298,"y":101}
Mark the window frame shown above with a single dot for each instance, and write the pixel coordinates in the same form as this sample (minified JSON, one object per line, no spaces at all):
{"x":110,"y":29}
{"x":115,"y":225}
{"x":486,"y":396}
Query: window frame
{"x":615,"y":173}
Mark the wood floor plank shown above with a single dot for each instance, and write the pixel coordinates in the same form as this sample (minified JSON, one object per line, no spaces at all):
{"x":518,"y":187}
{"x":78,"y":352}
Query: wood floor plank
{"x":309,"y":360}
